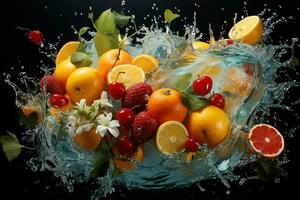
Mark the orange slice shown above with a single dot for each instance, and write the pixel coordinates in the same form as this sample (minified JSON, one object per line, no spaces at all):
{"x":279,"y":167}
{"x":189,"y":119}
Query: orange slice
{"x":66,"y":51}
{"x":266,"y":140}
{"x":249,"y":30}
{"x":146,"y":62}
{"x":199,"y":45}
{"x":171,"y":137}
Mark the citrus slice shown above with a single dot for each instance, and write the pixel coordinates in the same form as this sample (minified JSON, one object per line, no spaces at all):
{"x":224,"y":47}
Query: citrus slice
{"x":171,"y":137}
{"x":266,"y":140}
{"x":66,"y":51}
{"x":127,"y":74}
{"x":146,"y":62}
{"x":249,"y":30}
{"x":199,"y":45}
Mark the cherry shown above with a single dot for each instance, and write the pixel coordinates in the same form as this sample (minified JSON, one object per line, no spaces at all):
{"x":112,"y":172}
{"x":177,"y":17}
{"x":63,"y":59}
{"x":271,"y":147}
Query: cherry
{"x":116,"y":90}
{"x":191,"y":145}
{"x":125,"y":116}
{"x":35,"y":36}
{"x":217,"y":100}
{"x":202,"y":86}
{"x":125,"y":146}
{"x":58,"y":100}
{"x":229,"y":42}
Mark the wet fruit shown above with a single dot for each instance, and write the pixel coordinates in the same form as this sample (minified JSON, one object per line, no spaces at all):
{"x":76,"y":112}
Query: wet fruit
{"x":85,"y":83}
{"x":136,"y":97}
{"x":191,"y":145}
{"x":125,"y":147}
{"x":217,"y":100}
{"x":128,"y":74}
{"x":249,"y":30}
{"x":266,"y":140}
{"x":125,"y":116}
{"x":171,"y":137}
{"x":144,"y":128}
{"x":52,"y":85}
{"x":66,"y":51}
{"x":116,"y":90}
{"x":88,"y":140}
{"x":165,"y":105}
{"x":35,"y":37}
{"x":63,"y":70}
{"x":147,"y":62}
{"x":199,"y":45}
{"x":112,"y":58}
{"x":125,"y":165}
{"x":202,"y":86}
{"x":58,"y":100}
{"x":209,"y":126}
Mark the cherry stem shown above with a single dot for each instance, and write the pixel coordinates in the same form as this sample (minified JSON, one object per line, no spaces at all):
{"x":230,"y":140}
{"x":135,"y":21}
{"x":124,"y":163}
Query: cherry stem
{"x":135,"y":107}
{"x":118,"y":56}
{"x":118,"y":75}
{"x":23,"y":29}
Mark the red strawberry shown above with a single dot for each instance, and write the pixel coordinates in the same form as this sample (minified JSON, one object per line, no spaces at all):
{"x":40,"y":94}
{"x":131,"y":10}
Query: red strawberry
{"x":35,"y":36}
{"x":53,"y":86}
{"x":144,"y":128}
{"x":137,"y":96}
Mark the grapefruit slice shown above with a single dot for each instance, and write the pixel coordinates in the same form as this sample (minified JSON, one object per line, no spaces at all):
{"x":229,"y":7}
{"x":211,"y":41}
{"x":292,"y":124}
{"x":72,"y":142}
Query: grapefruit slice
{"x":266,"y":140}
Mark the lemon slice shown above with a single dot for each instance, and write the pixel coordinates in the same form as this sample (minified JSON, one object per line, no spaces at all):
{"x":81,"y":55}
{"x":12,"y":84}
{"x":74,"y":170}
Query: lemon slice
{"x":248,"y":30}
{"x":127,"y":74}
{"x":171,"y":137}
{"x":66,"y":51}
{"x":199,"y":45}
{"x":146,"y":62}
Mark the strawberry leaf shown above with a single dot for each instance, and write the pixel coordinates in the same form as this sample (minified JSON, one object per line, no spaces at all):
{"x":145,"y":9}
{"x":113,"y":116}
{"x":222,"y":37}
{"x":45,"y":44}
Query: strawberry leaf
{"x":193,"y":102}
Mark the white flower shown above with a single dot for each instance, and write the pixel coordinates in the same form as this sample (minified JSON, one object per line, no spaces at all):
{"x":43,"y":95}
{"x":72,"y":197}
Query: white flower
{"x":81,"y":104}
{"x":104,"y":100}
{"x":106,"y":124}
{"x":84,"y":127}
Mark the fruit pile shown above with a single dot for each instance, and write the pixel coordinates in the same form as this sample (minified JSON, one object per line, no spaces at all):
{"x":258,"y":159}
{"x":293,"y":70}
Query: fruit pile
{"x":112,"y":102}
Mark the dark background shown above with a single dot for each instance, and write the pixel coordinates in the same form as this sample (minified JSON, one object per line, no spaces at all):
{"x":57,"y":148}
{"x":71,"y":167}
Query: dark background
{"x":17,"y":180}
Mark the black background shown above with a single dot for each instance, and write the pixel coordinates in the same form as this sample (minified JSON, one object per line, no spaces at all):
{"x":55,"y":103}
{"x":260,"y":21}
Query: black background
{"x":17,"y":180}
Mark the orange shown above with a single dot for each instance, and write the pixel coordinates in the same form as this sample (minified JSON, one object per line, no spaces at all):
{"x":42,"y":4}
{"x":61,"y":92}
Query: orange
{"x":209,"y":125}
{"x":266,"y":140}
{"x":165,"y":105}
{"x":88,"y":140}
{"x":199,"y":45}
{"x":66,"y":51}
{"x":128,"y":165}
{"x":63,"y":70}
{"x":171,"y":137}
{"x":127,"y":74}
{"x":109,"y":58}
{"x":85,"y":83}
{"x":27,"y":110}
{"x":147,"y":62}
{"x":249,"y":30}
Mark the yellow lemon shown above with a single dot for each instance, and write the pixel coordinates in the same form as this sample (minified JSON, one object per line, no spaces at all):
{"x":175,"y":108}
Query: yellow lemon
{"x":199,"y":45}
{"x":146,"y":62}
{"x":66,"y":51}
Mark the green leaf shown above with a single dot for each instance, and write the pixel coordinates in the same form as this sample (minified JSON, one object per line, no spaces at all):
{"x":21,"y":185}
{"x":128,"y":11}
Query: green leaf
{"x":103,"y":159}
{"x":106,"y":22}
{"x":11,"y":146}
{"x":105,"y":42}
{"x":121,"y":20}
{"x":170,"y":16}
{"x":81,"y":59}
{"x":182,"y":82}
{"x":268,"y":170}
{"x":193,"y":102}
{"x":83,"y":30}
{"x":293,"y":63}
{"x":28,"y":122}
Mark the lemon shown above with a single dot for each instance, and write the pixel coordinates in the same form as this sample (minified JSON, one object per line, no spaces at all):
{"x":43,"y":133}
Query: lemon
{"x":127,"y":74}
{"x":249,"y":30}
{"x":171,"y":137}
{"x":199,"y":45}
{"x":146,"y":62}
{"x":66,"y":51}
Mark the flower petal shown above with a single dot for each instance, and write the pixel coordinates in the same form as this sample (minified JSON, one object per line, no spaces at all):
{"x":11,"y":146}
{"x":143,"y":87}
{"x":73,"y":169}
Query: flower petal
{"x":114,"y":124}
{"x":114,"y":131}
{"x":102,"y":130}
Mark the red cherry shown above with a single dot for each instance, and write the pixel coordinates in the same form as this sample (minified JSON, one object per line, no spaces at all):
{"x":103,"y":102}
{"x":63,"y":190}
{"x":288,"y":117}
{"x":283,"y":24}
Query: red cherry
{"x":229,"y":41}
{"x":191,"y":145}
{"x":116,"y":90}
{"x":217,"y":100}
{"x":58,"y":100}
{"x":35,"y":36}
{"x":125,"y":116}
{"x":125,"y":147}
{"x":202,"y":86}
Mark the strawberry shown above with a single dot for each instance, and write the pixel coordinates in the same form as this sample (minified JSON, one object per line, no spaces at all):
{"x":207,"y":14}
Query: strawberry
{"x":136,"y":97}
{"x":53,"y":86}
{"x":35,"y":36}
{"x":144,"y":127}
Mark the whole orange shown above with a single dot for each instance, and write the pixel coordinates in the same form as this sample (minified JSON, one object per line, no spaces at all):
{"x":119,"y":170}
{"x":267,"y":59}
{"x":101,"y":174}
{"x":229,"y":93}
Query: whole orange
{"x":88,"y":140}
{"x":63,"y":70}
{"x":110,"y":59}
{"x":209,"y":126}
{"x":165,"y":105}
{"x":85,"y":83}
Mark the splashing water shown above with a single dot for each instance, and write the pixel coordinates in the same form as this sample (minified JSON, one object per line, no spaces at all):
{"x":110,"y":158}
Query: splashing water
{"x":246,"y":74}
